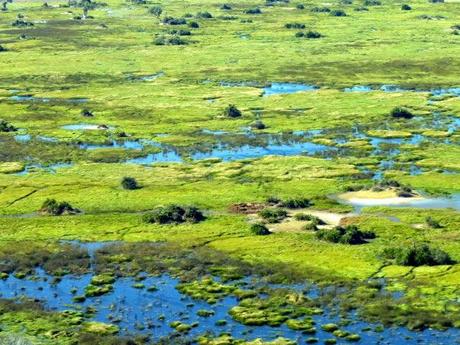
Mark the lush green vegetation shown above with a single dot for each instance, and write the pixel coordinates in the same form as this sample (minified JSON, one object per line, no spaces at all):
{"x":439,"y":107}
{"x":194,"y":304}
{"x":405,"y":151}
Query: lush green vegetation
{"x":139,"y":78}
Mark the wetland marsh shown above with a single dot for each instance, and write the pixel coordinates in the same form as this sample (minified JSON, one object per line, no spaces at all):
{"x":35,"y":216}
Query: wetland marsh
{"x":229,"y":173}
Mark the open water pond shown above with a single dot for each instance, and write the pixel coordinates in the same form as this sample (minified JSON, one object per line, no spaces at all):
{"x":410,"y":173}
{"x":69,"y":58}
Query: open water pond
{"x":452,"y":202}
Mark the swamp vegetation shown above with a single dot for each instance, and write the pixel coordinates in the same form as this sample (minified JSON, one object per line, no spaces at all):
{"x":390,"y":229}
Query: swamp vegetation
{"x":229,"y":173}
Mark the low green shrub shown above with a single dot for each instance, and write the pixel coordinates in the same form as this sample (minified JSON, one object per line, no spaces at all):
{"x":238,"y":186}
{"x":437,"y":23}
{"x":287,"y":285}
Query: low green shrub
{"x":254,"y":10}
{"x":259,"y":229}
{"x":232,"y":111}
{"x":273,"y":215}
{"x":338,"y":13}
{"x":296,"y":203}
{"x":401,"y":113}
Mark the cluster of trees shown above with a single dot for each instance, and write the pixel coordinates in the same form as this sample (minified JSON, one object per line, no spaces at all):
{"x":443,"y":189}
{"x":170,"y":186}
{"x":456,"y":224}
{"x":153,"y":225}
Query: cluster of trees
{"x":273,"y":215}
{"x":55,"y":208}
{"x":417,"y":255}
{"x":169,"y":40}
{"x":345,"y":235}
{"x":174,"y":214}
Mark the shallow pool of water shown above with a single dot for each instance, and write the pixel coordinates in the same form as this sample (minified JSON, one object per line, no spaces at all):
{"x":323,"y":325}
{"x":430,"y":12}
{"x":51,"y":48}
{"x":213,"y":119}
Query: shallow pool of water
{"x":31,"y":98}
{"x":452,"y":202}
{"x":85,"y":126}
{"x":52,"y":168}
{"x":287,"y":88}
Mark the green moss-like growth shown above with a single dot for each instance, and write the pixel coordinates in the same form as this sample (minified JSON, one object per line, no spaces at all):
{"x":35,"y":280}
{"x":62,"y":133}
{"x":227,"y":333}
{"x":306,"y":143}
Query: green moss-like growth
{"x":102,"y":279}
{"x":207,"y":289}
{"x":93,"y":290}
{"x":272,"y":311}
{"x":306,"y":325}
{"x":205,"y":313}
{"x":330,"y":327}
{"x":180,"y":327}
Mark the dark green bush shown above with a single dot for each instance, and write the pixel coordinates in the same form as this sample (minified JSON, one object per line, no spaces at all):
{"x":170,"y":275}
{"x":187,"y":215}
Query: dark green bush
{"x":173,"y":40}
{"x":406,"y":7}
{"x":55,"y":208}
{"x":401,"y":113}
{"x":321,"y":9}
{"x":225,"y":7}
{"x":87,"y":113}
{"x":7,"y":127}
{"x":255,"y":10}
{"x":194,"y":25}
{"x":296,"y":203}
{"x":174,"y":214}
{"x":338,"y":13}
{"x":372,"y":3}
{"x":345,"y":235}
{"x":258,"y":125}
{"x":294,"y":26}
{"x":21,"y":23}
{"x":418,"y":255}
{"x":273,"y":215}
{"x":180,"y":32}
{"x":259,"y":229}
{"x":312,"y":34}
{"x":174,"y":21}
{"x":3,"y":49}
{"x":204,"y":15}
{"x":232,"y":111}
{"x":300,"y":7}
{"x":273,"y":200}
{"x":129,"y":183}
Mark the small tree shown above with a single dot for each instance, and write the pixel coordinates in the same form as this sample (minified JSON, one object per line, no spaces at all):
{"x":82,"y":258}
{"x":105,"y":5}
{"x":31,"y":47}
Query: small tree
{"x":232,"y":111}
{"x":156,"y":11}
{"x":7,"y":127}
{"x":129,"y":183}
{"x":432,"y":223}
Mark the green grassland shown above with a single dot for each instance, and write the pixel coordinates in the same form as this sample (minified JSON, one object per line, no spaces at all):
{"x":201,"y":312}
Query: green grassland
{"x":103,"y":59}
